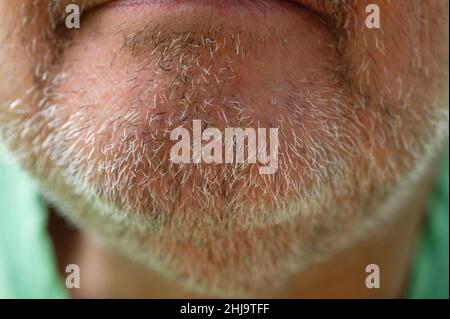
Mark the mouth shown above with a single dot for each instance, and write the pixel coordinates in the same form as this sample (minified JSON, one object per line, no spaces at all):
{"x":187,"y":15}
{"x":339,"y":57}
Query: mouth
{"x":222,"y":3}
{"x":218,"y":4}
{"x":259,"y":5}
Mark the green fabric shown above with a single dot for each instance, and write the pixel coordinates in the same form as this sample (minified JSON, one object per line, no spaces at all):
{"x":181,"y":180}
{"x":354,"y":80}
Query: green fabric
{"x":27,"y":265}
{"x":430,"y":271}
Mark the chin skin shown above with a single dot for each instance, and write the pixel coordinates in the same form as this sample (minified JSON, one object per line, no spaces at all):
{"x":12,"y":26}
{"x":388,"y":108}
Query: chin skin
{"x":361,"y":114}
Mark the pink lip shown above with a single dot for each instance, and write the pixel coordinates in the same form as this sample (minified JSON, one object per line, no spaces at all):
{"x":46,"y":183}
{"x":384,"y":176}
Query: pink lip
{"x":221,"y":4}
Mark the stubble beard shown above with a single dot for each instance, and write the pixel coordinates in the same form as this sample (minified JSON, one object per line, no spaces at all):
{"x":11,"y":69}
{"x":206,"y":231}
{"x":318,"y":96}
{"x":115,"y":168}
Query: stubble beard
{"x":205,"y":227}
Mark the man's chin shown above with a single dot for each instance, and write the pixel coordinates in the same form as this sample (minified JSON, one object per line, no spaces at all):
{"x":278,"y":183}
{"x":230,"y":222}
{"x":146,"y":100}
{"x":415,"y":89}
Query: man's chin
{"x":232,"y":257}
{"x":208,"y":256}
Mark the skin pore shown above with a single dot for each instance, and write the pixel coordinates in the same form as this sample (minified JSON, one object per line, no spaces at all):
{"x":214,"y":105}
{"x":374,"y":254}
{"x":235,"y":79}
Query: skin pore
{"x":362,"y":115}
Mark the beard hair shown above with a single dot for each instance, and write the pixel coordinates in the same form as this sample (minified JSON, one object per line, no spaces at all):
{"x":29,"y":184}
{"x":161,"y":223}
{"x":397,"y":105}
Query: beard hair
{"x":303,"y":220}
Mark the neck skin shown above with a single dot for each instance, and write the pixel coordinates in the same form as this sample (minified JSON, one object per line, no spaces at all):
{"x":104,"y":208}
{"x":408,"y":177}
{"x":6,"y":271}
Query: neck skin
{"x":104,"y":274}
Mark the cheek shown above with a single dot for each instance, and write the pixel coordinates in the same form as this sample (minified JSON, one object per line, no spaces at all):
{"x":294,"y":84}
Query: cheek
{"x":397,"y":77}
{"x":400,"y":69}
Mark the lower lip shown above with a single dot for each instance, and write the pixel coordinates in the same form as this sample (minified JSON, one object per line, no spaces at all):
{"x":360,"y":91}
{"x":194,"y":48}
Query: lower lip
{"x":217,"y":4}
